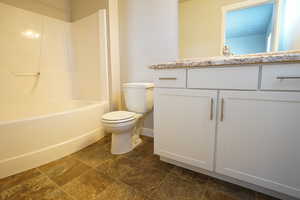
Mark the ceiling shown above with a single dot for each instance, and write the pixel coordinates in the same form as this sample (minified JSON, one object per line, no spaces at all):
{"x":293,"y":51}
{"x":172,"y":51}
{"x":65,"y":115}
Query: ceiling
{"x":249,"y":21}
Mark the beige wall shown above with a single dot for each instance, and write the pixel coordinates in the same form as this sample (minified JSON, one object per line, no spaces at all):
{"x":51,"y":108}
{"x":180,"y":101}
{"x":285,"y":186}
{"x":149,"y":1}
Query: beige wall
{"x":148,"y":35}
{"x":200,"y":27}
{"x":84,"y":8}
{"x":59,"y":9}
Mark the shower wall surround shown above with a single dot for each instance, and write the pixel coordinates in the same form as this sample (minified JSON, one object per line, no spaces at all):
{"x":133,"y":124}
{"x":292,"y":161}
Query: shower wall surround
{"x":32,"y":43}
{"x":89,"y":45}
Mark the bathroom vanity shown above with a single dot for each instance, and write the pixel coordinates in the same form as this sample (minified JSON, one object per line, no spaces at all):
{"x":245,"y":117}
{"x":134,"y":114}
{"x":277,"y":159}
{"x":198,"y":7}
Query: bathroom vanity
{"x":235,"y":118}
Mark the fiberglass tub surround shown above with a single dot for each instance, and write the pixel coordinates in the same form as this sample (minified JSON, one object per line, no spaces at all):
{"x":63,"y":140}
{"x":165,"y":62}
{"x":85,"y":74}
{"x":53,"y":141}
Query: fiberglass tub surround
{"x":42,"y":72}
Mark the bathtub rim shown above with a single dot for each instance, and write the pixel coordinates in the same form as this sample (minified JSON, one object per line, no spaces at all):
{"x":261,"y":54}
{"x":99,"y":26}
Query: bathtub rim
{"x":90,"y":104}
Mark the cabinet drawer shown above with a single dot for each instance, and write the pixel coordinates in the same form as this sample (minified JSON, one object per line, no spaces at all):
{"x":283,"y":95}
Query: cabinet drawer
{"x":281,"y":77}
{"x":245,"y":77}
{"x":175,"y":78}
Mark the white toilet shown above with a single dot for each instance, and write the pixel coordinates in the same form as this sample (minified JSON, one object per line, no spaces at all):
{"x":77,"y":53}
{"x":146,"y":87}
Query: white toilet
{"x":126,"y":126}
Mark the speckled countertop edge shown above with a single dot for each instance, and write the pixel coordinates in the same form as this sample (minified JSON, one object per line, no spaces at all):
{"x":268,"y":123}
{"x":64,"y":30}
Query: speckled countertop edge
{"x":278,"y":57}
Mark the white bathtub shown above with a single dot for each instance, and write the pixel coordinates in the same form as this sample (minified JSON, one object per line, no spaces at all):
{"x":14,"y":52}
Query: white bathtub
{"x":35,"y":134}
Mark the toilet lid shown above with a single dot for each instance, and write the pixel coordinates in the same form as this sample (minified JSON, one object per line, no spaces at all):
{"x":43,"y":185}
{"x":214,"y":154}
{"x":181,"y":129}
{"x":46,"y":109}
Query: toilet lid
{"x":118,"y":116}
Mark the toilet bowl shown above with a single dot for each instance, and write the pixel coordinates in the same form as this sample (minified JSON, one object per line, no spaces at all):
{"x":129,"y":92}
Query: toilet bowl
{"x":121,"y":124}
{"x":126,"y":126}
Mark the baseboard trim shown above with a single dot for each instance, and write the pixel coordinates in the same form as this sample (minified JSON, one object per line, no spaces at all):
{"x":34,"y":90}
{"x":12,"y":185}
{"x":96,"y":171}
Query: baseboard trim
{"x":148,"y":132}
{"x":51,"y":153}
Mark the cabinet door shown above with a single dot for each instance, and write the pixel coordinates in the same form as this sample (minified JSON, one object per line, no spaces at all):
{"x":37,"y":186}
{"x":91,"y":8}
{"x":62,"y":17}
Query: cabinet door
{"x":258,"y":139}
{"x":184,"y":125}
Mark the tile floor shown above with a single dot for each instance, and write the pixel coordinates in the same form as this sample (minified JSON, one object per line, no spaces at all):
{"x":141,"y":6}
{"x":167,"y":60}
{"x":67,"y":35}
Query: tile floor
{"x":94,"y":174}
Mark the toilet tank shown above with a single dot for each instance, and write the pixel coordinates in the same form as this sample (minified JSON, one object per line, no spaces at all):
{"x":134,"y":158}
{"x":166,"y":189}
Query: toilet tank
{"x":138,"y":97}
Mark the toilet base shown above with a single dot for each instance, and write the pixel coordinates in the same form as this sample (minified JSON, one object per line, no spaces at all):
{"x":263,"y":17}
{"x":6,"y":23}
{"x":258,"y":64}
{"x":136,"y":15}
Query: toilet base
{"x":125,"y":135}
{"x":124,"y":143}
{"x":121,"y":143}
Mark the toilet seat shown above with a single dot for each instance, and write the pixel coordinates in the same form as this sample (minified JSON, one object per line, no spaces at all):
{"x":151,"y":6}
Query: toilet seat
{"x":118,"y":117}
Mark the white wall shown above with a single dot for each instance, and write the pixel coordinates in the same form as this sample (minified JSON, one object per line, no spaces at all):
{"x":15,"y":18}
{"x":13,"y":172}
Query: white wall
{"x":291,"y":26}
{"x":247,"y":44}
{"x":148,"y":35}
{"x":90,"y":57}
{"x":48,"y":54}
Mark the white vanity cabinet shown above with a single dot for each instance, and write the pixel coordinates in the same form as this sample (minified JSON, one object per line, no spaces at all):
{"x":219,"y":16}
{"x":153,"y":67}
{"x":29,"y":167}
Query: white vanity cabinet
{"x":281,"y":77}
{"x":247,"y":130}
{"x":235,"y":77}
{"x":258,"y":139}
{"x":185,"y":125}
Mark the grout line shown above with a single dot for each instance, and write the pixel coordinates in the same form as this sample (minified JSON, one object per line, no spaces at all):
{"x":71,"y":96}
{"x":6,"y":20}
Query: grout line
{"x":79,"y":160}
{"x":204,"y":190}
{"x":58,"y":187}
{"x":116,"y":180}
{"x":84,"y":173}
{"x":92,"y":167}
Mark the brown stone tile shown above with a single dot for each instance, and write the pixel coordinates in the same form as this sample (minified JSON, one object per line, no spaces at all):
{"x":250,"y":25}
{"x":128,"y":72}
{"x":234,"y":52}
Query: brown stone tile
{"x":217,"y":195}
{"x":189,"y":175}
{"x":120,"y":191}
{"x":105,"y":140}
{"x":220,"y":190}
{"x":94,"y":154}
{"x":153,"y":161}
{"x":144,"y":179}
{"x":53,"y":195}
{"x":141,"y":152}
{"x":88,"y":186}
{"x":117,"y":168}
{"x":176,"y":188}
{"x":260,"y":196}
{"x":64,"y":170}
{"x":37,"y":188}
{"x":6,"y":183}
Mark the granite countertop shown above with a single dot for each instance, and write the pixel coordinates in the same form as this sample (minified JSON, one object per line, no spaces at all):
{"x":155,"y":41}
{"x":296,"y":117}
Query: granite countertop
{"x":277,"y":57}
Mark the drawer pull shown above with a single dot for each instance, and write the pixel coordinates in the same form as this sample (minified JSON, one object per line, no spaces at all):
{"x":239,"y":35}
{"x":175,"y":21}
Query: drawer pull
{"x":167,"y":78}
{"x":211,"y":109}
{"x":222,"y":110}
{"x":288,"y":77}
